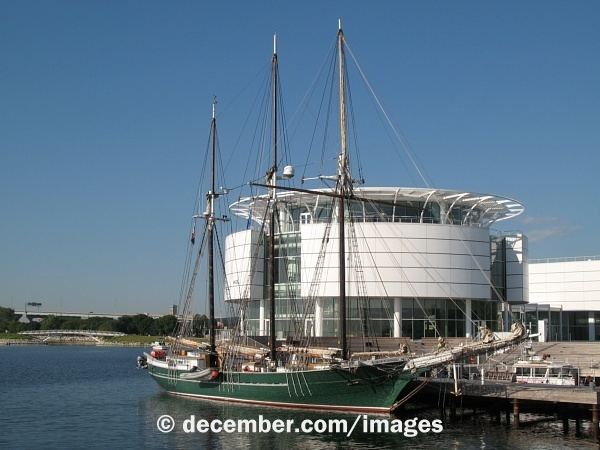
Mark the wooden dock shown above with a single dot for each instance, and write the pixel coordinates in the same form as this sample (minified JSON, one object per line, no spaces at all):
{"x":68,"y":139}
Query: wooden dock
{"x":529,"y":392}
{"x":555,"y":402}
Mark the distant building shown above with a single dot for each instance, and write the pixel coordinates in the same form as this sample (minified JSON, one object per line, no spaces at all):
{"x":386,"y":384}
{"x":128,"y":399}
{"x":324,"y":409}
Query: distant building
{"x":566,"y":292}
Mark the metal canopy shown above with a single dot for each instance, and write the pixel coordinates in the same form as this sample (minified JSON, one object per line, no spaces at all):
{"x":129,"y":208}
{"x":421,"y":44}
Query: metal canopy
{"x":481,"y":209}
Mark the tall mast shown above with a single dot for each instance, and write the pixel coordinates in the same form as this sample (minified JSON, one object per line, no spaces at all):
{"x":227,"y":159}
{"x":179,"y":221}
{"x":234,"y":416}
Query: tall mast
{"x":273,"y":182}
{"x":342,"y":180}
{"x":210,"y":217}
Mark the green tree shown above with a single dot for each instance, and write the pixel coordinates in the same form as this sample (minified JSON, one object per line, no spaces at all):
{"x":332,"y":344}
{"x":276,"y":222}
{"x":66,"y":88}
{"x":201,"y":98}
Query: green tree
{"x":125,"y":325}
{"x":94,"y":323}
{"x":144,"y":325}
{"x":7,"y":316}
{"x":165,"y":325}
{"x":107,"y":324}
{"x":72,"y":323}
{"x":16,"y":327}
{"x":138,"y":324}
{"x":52,"y":323}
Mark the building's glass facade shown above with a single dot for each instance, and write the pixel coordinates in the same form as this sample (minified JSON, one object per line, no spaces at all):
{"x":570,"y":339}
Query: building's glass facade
{"x":425,"y":316}
{"x":374,"y":316}
{"x":498,"y":269}
{"x":380,"y":211}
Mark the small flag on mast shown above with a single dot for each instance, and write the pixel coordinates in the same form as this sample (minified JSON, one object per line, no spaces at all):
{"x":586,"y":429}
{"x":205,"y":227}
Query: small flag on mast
{"x":193,"y":237}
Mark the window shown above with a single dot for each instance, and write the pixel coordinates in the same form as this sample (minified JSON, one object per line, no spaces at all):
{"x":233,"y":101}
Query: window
{"x":305,"y":218}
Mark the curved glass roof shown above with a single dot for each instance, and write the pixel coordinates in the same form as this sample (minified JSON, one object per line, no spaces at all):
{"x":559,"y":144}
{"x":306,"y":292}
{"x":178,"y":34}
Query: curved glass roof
{"x":391,"y":204}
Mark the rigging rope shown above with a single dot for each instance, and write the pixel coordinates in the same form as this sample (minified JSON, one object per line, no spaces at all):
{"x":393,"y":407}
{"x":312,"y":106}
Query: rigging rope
{"x":398,"y":135}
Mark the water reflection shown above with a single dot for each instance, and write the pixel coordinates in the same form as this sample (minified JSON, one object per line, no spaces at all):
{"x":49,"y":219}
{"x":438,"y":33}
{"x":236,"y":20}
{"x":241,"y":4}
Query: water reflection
{"x":86,"y":397}
{"x":473,"y":434}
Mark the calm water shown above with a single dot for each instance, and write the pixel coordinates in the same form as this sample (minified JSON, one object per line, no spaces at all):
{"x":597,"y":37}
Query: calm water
{"x":94,"y":397}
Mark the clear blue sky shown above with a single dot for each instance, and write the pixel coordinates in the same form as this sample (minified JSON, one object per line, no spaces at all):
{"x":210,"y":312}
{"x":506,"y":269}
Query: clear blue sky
{"x":104,"y":113}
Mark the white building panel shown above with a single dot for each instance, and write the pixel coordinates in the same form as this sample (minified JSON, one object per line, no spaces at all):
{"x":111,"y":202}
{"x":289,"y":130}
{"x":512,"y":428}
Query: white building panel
{"x":244,"y":265}
{"x":438,"y":267}
{"x":572,"y":283}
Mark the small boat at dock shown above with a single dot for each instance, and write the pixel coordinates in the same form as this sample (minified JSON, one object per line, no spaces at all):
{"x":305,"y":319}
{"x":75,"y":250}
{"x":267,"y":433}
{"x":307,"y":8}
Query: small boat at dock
{"x":542,"y":371}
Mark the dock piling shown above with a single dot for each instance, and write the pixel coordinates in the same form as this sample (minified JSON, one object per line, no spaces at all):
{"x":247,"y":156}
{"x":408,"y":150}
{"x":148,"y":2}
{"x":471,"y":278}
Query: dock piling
{"x":595,"y":421}
{"x":515,"y":413}
{"x":453,"y":408}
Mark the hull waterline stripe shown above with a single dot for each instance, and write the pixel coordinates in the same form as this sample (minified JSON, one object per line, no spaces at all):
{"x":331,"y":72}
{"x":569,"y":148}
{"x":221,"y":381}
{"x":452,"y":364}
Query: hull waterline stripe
{"x":341,"y":408}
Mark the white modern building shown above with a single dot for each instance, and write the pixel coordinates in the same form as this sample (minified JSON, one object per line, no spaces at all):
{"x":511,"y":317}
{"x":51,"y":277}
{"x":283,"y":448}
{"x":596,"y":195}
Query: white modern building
{"x":420,"y":262}
{"x":566,"y":293}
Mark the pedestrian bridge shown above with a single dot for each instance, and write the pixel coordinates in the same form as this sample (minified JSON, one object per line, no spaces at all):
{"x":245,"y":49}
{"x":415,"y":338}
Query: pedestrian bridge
{"x":97,"y":336}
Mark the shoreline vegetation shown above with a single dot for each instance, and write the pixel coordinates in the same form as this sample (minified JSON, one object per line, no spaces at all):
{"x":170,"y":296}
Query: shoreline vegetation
{"x":113,"y":341}
{"x":140,"y":329}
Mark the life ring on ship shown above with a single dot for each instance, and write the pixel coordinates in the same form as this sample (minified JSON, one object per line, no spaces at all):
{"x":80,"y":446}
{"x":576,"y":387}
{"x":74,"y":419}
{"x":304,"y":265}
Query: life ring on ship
{"x":246,"y":368}
{"x":214,"y":374}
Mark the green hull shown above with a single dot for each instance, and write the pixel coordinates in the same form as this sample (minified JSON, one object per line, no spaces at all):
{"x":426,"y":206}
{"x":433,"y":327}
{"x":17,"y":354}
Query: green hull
{"x":367,"y":389}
